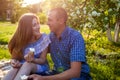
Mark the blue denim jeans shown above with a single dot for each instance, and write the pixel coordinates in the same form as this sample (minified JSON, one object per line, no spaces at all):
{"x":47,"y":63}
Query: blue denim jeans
{"x":83,"y":76}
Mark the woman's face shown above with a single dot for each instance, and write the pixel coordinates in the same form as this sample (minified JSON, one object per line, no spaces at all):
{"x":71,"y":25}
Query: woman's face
{"x":36,"y":27}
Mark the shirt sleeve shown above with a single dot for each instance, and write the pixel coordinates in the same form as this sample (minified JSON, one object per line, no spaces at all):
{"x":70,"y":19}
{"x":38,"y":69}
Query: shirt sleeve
{"x":77,"y":52}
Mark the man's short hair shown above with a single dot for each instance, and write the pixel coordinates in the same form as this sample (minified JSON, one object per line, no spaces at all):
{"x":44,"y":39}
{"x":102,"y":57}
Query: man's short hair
{"x":61,"y":13}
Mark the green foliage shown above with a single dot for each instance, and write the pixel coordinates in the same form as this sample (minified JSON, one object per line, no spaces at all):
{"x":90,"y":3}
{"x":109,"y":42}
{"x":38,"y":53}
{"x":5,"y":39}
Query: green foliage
{"x":3,"y":8}
{"x":6,"y":31}
{"x":99,"y":43}
{"x":99,"y":71}
{"x":13,"y":18}
{"x":92,"y":14}
{"x":4,"y":54}
{"x":104,"y":69}
{"x":44,"y":29}
{"x":19,"y":11}
{"x":3,"y":16}
{"x":102,"y":55}
{"x":42,"y":18}
{"x":91,"y":18}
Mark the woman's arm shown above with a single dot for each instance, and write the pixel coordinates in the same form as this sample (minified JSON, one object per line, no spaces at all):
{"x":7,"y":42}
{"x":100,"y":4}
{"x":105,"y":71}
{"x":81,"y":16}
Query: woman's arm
{"x":42,"y":58}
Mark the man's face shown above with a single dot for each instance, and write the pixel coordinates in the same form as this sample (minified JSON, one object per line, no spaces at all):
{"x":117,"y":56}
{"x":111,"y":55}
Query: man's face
{"x":53,"y":22}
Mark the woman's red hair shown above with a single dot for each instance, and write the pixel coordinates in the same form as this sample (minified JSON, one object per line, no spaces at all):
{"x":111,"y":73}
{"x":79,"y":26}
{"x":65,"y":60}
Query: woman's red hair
{"x":22,"y":36}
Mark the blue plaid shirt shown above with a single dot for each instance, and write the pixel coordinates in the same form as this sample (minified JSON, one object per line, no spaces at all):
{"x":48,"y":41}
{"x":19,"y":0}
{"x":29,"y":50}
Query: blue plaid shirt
{"x":69,"y":48}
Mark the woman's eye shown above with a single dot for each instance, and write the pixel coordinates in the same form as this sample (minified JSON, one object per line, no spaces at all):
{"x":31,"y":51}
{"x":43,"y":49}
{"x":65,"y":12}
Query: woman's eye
{"x":34,"y":25}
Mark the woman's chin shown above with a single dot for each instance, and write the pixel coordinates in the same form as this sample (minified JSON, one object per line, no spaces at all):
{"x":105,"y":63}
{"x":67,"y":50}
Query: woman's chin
{"x":37,"y":34}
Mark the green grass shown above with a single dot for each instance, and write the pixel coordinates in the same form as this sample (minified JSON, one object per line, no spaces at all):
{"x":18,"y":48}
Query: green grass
{"x":4,"y":54}
{"x":7,"y":29}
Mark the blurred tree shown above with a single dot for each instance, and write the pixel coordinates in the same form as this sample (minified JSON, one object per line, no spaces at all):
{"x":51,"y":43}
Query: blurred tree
{"x":17,"y":10}
{"x":3,"y":8}
{"x":42,"y":17}
{"x":103,"y":15}
{"x":35,"y":8}
{"x":106,"y":15}
{"x":15,"y":7}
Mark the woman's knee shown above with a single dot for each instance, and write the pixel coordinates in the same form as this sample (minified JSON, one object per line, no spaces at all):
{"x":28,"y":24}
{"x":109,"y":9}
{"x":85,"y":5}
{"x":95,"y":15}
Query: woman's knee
{"x":13,"y":71}
{"x":29,"y":65}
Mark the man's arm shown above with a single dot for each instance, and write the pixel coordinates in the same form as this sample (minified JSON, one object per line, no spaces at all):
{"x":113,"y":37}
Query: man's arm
{"x":73,"y":72}
{"x":77,"y":56}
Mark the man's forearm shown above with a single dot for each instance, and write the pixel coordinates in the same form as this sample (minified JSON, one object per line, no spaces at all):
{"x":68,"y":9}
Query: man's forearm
{"x":67,"y":75}
{"x":73,"y":72}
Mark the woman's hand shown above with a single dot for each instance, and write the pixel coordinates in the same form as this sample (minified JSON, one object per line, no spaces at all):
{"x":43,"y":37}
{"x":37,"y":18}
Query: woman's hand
{"x":15,"y":63}
{"x":29,"y":57}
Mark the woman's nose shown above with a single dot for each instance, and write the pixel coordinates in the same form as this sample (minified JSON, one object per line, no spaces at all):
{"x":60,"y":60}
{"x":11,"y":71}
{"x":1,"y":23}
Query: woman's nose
{"x":38,"y":26}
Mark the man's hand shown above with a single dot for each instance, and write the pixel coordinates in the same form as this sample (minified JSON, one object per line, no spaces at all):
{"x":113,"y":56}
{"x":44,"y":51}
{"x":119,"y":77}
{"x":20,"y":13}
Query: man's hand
{"x":35,"y":77}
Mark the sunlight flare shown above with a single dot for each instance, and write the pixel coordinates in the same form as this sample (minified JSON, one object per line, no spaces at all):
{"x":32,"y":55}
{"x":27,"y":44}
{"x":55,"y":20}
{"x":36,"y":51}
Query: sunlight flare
{"x":29,"y":2}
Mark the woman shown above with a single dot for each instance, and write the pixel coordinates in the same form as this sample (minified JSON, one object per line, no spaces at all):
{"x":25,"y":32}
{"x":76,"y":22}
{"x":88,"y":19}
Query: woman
{"x":27,"y":36}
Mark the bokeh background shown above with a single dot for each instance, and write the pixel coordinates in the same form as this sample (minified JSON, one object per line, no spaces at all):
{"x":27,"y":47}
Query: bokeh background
{"x":97,"y":20}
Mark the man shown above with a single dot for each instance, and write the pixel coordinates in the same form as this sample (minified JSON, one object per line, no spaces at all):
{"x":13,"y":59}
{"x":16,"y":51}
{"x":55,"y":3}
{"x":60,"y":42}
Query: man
{"x":67,"y":50}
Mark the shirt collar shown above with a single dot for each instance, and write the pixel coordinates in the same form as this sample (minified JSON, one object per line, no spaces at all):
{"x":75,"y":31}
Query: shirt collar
{"x":64,"y":34}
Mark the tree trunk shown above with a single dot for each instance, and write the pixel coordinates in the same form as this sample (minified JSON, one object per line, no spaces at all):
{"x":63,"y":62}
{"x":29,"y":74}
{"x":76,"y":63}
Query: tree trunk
{"x":117,"y":31}
{"x":108,"y":32}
